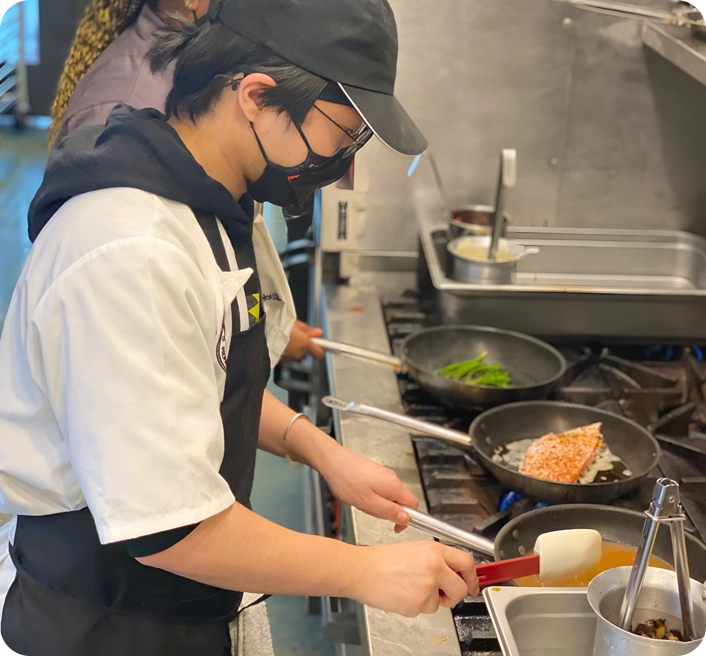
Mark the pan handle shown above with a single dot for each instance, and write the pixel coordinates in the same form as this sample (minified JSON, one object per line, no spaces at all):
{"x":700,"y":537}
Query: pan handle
{"x":358,"y":353}
{"x":449,"y":533}
{"x":447,"y":434}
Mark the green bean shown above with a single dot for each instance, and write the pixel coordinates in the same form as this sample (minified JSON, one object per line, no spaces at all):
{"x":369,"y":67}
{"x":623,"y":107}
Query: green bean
{"x":474,"y":372}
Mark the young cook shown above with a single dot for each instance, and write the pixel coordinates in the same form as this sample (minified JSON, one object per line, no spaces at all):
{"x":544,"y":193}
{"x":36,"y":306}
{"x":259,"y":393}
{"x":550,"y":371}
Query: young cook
{"x":135,"y":355}
{"x":106,"y":66}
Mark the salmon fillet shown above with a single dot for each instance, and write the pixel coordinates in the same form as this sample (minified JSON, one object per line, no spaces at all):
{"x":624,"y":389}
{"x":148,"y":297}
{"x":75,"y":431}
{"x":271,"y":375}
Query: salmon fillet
{"x":562,"y":458}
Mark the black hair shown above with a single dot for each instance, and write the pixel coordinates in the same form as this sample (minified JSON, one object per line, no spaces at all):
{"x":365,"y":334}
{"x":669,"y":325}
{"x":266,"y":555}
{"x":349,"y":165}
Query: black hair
{"x":203,"y":54}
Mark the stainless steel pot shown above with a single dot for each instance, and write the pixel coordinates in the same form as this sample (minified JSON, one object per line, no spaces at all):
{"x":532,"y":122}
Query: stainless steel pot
{"x":483,"y":271}
{"x":659,"y":599}
{"x":475,"y":220}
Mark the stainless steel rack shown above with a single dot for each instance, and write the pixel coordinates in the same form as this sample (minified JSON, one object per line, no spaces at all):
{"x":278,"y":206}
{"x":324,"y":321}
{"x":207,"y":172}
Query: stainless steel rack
{"x":14,"y":93}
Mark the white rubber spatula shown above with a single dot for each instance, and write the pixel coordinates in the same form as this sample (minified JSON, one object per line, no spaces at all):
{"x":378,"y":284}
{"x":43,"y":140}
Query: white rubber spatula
{"x":556,"y":555}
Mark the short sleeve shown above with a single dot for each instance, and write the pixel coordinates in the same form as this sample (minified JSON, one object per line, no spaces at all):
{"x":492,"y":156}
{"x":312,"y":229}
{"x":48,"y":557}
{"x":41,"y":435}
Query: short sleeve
{"x":127,"y":336}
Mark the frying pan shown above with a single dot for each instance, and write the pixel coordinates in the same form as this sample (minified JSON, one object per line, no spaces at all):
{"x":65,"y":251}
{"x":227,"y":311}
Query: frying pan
{"x":517,"y":538}
{"x":535,"y":367}
{"x":634,"y":445}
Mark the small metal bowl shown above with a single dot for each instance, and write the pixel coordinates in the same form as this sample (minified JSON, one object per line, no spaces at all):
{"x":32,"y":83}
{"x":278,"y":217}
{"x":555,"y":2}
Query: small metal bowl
{"x":659,"y":599}
{"x":475,"y":220}
{"x":483,"y":271}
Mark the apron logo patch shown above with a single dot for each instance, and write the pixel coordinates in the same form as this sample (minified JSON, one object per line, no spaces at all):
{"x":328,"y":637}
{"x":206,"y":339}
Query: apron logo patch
{"x":254,"y":308}
{"x":221,"y":351}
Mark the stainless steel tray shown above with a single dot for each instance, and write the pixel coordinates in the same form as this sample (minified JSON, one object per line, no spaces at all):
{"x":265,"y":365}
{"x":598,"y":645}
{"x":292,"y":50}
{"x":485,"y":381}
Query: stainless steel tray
{"x":608,"y":284}
{"x":542,"y":621}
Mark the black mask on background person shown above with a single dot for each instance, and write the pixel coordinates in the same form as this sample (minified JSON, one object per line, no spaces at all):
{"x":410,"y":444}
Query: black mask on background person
{"x":292,"y":186}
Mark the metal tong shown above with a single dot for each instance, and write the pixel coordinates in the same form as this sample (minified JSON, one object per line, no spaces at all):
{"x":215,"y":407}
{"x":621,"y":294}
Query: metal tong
{"x":665,"y":508}
{"x":443,"y":531}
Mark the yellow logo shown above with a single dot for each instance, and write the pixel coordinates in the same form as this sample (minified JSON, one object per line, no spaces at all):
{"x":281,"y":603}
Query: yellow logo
{"x":254,"y":307}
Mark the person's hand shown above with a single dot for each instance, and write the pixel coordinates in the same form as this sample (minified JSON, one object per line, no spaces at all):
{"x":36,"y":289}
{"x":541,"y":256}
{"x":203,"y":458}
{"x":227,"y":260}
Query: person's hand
{"x":300,"y":343}
{"x":413,"y":577}
{"x":370,"y":487}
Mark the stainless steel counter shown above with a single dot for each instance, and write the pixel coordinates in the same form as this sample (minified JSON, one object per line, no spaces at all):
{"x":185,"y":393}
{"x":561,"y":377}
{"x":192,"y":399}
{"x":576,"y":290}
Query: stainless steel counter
{"x":354,"y":315}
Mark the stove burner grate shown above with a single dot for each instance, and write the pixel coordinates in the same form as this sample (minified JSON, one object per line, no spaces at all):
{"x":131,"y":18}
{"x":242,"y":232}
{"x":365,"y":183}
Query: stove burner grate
{"x":661,"y":387}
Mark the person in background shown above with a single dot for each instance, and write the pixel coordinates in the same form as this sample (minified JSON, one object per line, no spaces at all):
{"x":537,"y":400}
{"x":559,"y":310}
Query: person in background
{"x":107,"y":66}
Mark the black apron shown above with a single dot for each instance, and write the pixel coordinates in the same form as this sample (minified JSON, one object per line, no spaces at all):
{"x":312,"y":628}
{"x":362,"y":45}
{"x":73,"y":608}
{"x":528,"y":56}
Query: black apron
{"x":73,"y":596}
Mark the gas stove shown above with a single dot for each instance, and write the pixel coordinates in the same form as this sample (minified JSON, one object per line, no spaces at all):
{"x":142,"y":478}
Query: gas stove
{"x":662,"y":388}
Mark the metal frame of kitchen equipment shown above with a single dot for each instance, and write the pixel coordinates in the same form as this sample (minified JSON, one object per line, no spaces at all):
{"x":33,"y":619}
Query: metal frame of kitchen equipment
{"x":677,"y":47}
{"x":681,"y":15}
{"x":14,"y":91}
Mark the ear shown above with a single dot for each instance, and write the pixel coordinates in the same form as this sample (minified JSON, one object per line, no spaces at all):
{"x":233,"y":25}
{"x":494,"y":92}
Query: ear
{"x":250,"y":93}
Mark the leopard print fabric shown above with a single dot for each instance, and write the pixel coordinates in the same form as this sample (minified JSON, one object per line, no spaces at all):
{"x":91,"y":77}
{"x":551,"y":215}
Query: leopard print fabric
{"x":103,"y":21}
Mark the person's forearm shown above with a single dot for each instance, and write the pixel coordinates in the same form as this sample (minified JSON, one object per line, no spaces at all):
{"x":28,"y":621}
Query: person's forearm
{"x":239,"y":550}
{"x":305,"y":443}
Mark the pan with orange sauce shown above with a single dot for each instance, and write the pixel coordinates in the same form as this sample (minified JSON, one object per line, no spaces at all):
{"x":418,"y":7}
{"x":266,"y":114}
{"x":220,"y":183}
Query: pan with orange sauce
{"x":614,"y":555}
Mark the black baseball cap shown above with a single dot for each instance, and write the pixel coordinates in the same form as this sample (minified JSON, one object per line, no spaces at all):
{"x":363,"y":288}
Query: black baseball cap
{"x":350,"y":42}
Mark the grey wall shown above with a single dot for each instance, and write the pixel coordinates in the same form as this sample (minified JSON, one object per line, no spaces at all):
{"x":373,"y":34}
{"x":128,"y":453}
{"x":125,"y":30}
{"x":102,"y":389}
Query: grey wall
{"x":607,"y":133}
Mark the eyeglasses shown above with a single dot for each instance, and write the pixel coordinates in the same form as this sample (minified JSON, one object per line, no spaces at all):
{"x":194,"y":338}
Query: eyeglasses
{"x":359,"y":137}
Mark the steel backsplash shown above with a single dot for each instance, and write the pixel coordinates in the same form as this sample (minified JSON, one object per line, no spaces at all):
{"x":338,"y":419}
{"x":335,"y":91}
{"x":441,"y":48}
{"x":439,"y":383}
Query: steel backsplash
{"x":602,"y":126}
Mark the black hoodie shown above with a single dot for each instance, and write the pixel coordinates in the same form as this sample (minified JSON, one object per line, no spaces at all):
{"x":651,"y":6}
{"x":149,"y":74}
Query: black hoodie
{"x":136,"y":149}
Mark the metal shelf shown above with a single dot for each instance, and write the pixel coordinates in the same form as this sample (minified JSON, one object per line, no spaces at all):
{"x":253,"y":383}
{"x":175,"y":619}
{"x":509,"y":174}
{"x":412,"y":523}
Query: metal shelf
{"x":679,"y":47}
{"x":14,"y":94}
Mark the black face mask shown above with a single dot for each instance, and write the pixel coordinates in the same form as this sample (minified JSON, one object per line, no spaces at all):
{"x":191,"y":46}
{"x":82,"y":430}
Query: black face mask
{"x":292,"y":186}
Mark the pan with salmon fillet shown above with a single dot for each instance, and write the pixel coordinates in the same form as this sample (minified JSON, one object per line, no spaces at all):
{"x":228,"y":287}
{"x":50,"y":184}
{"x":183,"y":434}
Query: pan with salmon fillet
{"x":500,"y":429}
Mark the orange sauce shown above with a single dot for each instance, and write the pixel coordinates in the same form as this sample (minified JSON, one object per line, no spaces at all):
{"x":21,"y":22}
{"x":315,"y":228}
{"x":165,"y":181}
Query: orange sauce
{"x":614,"y":555}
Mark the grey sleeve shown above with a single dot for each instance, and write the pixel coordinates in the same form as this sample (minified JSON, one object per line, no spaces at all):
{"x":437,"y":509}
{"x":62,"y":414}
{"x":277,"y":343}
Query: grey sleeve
{"x":96,"y":115}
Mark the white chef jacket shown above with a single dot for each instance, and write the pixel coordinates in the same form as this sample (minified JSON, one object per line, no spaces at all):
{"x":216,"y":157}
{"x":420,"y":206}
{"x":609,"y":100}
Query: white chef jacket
{"x":110,"y":383}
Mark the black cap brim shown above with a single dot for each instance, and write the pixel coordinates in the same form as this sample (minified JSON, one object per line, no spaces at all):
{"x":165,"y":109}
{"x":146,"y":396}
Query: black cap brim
{"x":387,"y":119}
